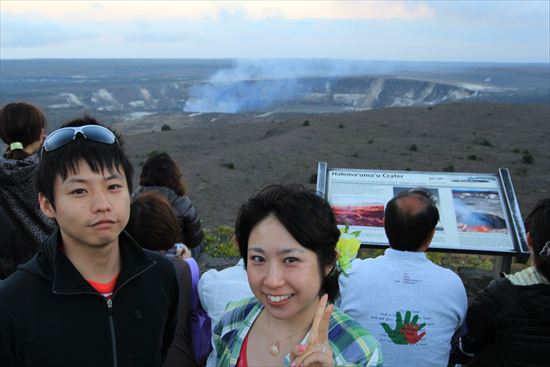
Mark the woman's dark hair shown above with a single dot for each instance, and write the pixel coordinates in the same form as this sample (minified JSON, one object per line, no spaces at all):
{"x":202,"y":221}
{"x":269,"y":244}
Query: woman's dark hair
{"x":306,"y":216}
{"x":161,"y":170}
{"x":153,"y":222}
{"x":23,"y":123}
{"x":537,"y":224}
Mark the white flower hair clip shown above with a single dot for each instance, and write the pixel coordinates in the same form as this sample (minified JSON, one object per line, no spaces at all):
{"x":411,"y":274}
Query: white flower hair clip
{"x":545,"y":252}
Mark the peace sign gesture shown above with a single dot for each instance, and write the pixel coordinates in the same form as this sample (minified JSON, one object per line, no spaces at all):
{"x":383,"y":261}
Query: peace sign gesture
{"x":317,"y":352}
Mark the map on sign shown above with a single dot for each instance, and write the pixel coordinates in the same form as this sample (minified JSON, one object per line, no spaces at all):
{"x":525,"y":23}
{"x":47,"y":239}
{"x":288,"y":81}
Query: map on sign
{"x":476,"y":210}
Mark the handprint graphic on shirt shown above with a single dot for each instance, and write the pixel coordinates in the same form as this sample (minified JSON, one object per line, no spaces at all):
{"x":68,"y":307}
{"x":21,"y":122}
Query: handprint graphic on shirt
{"x":405,"y":332}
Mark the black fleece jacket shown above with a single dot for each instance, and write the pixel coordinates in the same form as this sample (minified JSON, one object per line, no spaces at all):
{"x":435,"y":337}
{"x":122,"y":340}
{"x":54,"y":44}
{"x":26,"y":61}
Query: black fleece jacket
{"x":51,"y":316}
{"x":509,"y":325}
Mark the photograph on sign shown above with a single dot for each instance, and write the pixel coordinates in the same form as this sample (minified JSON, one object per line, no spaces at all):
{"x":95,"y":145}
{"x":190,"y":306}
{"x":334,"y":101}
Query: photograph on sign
{"x":479,"y":211}
{"x":360,"y":214}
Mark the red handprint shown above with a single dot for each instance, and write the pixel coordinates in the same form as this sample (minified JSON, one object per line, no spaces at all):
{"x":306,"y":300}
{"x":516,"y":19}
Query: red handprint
{"x":410,"y":332}
{"x":405,"y":332}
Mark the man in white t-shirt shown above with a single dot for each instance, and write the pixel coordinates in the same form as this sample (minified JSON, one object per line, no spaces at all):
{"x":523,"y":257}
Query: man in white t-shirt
{"x":409,"y":304}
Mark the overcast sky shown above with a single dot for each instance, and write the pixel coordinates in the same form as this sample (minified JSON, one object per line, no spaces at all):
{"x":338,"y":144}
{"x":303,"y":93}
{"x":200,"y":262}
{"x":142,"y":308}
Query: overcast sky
{"x":492,"y":31}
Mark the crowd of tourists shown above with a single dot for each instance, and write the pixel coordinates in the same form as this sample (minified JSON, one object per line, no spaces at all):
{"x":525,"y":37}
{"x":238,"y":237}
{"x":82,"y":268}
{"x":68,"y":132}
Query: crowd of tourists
{"x":94,"y":273}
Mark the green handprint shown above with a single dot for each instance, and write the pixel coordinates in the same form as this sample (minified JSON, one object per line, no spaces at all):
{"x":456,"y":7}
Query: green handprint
{"x":395,"y":335}
{"x":404,"y":332}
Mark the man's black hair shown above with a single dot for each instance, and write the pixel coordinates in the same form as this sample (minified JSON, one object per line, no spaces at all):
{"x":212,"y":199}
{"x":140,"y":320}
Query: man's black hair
{"x":65,"y":160}
{"x":407,"y":227}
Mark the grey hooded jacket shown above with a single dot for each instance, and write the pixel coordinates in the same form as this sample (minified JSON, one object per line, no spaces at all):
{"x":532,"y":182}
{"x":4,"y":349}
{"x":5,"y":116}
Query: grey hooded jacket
{"x":22,"y":225}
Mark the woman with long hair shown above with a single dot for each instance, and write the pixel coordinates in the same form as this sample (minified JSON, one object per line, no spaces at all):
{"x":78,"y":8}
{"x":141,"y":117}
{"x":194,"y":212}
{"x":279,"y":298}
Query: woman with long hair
{"x":161,"y":174}
{"x":24,"y":227}
{"x":287,"y":237}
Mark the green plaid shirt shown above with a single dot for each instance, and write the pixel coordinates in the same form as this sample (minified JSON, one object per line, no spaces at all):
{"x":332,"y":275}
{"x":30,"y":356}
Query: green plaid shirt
{"x":351,"y":344}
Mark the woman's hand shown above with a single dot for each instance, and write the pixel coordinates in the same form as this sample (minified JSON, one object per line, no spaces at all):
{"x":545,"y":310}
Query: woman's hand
{"x":317,"y":352}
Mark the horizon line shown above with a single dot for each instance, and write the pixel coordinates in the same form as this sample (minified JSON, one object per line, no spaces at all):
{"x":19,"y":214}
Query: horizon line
{"x":272,"y":59}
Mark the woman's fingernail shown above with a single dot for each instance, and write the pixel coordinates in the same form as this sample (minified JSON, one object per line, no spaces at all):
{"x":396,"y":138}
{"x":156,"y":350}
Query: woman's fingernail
{"x":302,"y":348}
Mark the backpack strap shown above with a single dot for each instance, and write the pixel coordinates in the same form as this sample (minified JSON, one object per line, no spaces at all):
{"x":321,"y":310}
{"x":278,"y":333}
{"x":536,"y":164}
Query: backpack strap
{"x":200,"y":323}
{"x":195,"y":273}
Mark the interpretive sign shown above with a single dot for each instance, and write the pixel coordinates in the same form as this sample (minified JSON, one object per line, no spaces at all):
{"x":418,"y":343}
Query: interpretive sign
{"x":478,"y":212}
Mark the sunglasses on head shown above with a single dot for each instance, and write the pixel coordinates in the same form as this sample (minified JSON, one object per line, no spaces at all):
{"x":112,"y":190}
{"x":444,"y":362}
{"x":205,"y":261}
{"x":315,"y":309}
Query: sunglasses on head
{"x":66,"y":135}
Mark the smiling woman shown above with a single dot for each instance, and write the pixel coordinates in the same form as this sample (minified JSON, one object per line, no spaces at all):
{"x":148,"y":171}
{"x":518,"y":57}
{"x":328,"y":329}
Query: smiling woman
{"x":287,"y":237}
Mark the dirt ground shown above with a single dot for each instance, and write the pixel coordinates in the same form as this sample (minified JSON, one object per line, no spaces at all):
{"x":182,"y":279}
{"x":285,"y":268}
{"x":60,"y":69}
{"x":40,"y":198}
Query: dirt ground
{"x":228,"y":158}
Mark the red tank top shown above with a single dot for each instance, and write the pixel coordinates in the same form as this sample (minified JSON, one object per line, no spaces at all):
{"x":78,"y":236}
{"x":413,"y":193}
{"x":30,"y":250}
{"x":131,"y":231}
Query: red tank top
{"x":242,"y":362}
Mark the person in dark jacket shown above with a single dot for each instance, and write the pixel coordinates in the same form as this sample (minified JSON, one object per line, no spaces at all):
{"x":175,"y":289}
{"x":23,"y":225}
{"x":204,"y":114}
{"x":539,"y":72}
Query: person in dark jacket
{"x":22,"y":225}
{"x":508,"y":324}
{"x":91,"y":296}
{"x":154,"y":226}
{"x":161,"y":174}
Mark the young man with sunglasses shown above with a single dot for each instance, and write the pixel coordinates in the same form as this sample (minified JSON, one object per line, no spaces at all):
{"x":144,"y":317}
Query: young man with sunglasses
{"x":91,"y":296}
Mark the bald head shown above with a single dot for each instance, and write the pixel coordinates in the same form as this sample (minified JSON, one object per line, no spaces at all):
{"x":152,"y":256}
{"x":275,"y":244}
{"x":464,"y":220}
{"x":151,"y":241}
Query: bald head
{"x":411,"y":204}
{"x":409,"y":220}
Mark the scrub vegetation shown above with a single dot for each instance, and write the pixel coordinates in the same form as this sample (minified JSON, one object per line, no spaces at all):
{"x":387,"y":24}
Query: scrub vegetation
{"x":219,"y":242}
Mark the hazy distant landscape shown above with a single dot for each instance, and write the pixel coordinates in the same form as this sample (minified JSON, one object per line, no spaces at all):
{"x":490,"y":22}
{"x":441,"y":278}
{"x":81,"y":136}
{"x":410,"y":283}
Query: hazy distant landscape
{"x":134,"y":89}
{"x":236,"y":126}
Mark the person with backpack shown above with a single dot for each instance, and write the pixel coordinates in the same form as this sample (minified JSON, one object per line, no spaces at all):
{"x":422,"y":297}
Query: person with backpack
{"x":153,"y":224}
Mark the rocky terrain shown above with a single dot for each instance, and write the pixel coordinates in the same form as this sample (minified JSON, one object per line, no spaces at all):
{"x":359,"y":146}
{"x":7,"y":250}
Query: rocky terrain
{"x":228,"y":157}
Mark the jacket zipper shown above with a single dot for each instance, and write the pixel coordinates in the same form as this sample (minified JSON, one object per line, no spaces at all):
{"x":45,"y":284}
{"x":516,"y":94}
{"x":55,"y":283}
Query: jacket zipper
{"x":110,"y":310}
{"x":113,"y":335}
{"x":111,"y":318}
